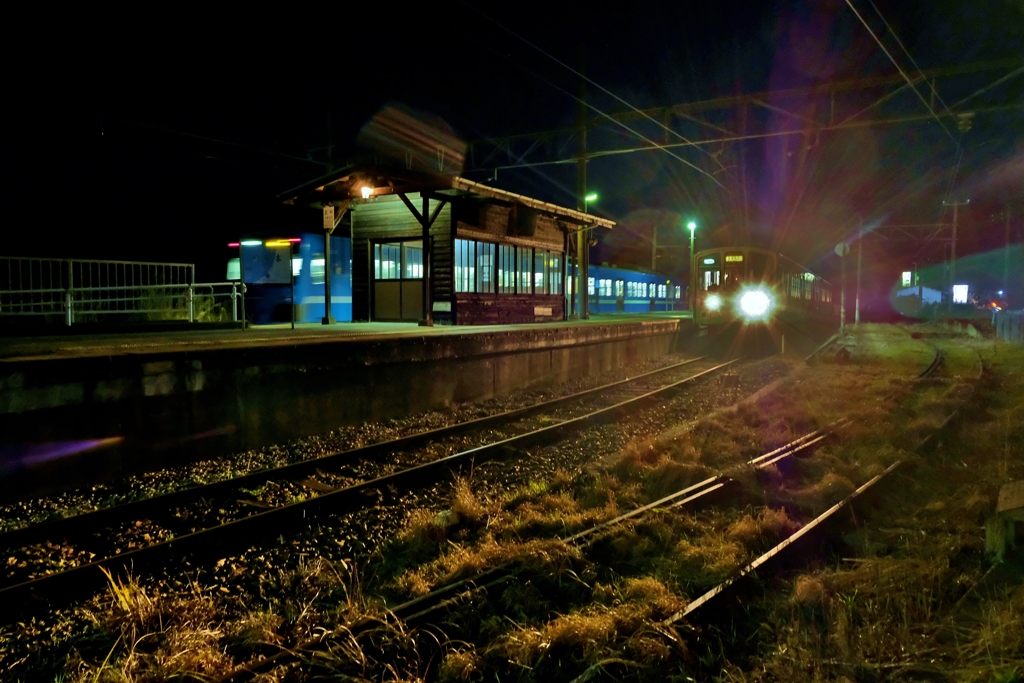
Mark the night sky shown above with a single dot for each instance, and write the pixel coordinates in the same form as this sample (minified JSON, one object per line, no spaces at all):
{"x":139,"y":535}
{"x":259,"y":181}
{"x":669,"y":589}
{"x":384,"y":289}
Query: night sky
{"x":163,"y":133}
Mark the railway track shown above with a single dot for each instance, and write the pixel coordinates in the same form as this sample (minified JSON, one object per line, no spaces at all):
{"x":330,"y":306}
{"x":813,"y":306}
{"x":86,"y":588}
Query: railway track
{"x":423,"y":609}
{"x":435,"y":606}
{"x":220,"y":539}
{"x":820,"y":522}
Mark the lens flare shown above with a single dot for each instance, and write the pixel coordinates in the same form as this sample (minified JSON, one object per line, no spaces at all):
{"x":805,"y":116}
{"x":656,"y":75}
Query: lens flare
{"x":755,"y":304}
{"x":713,"y":302}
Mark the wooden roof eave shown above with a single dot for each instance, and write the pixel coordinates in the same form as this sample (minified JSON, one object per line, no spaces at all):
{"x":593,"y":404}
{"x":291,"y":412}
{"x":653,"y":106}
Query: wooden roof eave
{"x":561,"y":212}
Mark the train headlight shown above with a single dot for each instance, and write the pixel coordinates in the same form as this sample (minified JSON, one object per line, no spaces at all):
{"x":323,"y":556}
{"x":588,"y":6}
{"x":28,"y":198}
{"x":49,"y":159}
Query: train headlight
{"x":713,"y":302}
{"x":755,"y":304}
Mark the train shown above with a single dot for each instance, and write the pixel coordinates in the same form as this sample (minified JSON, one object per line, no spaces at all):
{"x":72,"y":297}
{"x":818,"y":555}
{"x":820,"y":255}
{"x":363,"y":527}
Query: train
{"x":616,"y":290}
{"x":754,"y":285}
{"x":269,"y":279}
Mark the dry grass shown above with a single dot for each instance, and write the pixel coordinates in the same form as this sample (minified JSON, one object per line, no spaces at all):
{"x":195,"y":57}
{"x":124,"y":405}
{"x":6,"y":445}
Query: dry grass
{"x":768,"y":525}
{"x":462,"y":561}
{"x":588,"y":636}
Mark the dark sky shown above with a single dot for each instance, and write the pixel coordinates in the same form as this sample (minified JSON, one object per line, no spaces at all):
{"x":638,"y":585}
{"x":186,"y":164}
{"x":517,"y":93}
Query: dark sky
{"x":118,"y":123}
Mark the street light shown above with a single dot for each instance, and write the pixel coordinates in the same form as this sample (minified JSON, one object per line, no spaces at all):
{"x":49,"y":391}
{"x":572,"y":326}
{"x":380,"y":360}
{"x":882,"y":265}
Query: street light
{"x":692,"y":225}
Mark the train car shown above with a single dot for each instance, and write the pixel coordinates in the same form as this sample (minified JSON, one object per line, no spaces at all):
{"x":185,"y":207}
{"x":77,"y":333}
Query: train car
{"x":264,"y":264}
{"x":755,"y":286}
{"x":615,"y":290}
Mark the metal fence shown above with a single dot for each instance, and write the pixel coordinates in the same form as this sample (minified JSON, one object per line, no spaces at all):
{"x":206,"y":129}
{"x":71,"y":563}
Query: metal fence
{"x":1009,"y":325}
{"x":97,"y":291}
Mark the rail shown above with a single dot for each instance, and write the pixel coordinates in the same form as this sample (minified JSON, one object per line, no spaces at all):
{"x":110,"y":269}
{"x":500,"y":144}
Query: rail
{"x":79,"y":290}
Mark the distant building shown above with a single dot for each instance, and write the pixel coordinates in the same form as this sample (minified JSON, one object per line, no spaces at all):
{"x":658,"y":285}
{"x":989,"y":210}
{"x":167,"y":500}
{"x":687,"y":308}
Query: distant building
{"x":926,"y":295}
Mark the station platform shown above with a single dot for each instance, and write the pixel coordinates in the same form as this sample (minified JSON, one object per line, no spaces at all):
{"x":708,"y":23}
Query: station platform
{"x":22,"y":349}
{"x":80,"y":409}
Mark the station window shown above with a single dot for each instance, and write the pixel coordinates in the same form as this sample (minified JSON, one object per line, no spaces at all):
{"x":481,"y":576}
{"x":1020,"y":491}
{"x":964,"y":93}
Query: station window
{"x":316,"y":269}
{"x":387,"y":261}
{"x":474,"y":266}
{"x":485,"y":267}
{"x":525,"y":270}
{"x":234,"y":269}
{"x":540,"y":267}
{"x":506,"y":269}
{"x":554,"y":274}
{"x":296,"y":266}
{"x":465,"y":268}
{"x":414,"y":262}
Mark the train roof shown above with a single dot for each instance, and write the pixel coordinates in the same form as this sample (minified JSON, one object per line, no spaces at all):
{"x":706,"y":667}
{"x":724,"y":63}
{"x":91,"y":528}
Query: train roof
{"x":344,"y":186}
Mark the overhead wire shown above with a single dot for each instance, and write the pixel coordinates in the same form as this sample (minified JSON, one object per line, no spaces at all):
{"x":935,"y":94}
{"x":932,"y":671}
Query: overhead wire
{"x":602,"y":89}
{"x":899,"y":68}
{"x":903,"y":47}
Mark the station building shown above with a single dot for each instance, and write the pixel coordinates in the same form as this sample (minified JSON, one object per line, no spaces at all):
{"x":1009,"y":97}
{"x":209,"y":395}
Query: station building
{"x":443,"y":248}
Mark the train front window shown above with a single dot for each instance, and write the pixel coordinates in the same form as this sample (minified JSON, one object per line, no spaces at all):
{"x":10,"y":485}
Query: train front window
{"x":758,"y":267}
{"x":710,"y":272}
{"x":735,"y":272}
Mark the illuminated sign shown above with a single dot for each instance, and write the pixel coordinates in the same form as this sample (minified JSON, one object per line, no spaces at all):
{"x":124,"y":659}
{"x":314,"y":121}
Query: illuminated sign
{"x":734,"y":258}
{"x":959,"y":294}
{"x":710,"y":261}
{"x":906,"y":278}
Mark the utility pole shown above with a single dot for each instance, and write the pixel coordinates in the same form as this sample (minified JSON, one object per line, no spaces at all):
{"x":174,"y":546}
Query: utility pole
{"x":654,"y":250}
{"x":583,"y":235}
{"x":842,"y":249}
{"x":856,"y":310}
{"x":1006,"y":256}
{"x":952,"y":251}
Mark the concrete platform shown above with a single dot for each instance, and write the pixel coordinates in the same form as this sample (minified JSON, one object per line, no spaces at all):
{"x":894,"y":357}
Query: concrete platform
{"x":86,"y":409}
{"x":14,"y":350}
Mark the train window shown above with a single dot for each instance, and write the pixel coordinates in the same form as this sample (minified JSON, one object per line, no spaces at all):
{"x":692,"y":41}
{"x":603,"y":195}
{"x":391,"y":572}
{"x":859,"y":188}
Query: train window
{"x":316,"y":269}
{"x":555,"y":273}
{"x":296,"y":266}
{"x":735,"y":271}
{"x":661,"y":292}
{"x":794,"y":286}
{"x":679,"y":292}
{"x":710,"y":274}
{"x":620,"y":289}
{"x":590,"y":286}
{"x":485,"y":267}
{"x":465,"y":268}
{"x":506,"y":269}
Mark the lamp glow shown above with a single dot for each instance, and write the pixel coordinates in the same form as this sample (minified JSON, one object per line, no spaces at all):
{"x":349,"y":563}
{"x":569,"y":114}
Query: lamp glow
{"x":367,"y":191}
{"x":592,"y":197}
{"x":692,"y":226}
{"x":713,"y":302}
{"x":251,"y":243}
{"x":755,"y":304}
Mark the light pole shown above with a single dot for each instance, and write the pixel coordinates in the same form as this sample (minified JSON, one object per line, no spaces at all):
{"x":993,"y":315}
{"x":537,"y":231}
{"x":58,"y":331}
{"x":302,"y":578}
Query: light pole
{"x":577,"y":299}
{"x":691,"y":288}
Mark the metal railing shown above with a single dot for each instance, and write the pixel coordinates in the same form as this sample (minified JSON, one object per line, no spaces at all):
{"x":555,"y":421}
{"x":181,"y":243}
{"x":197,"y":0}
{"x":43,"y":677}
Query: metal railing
{"x":1009,"y":325}
{"x":96,"y":291}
